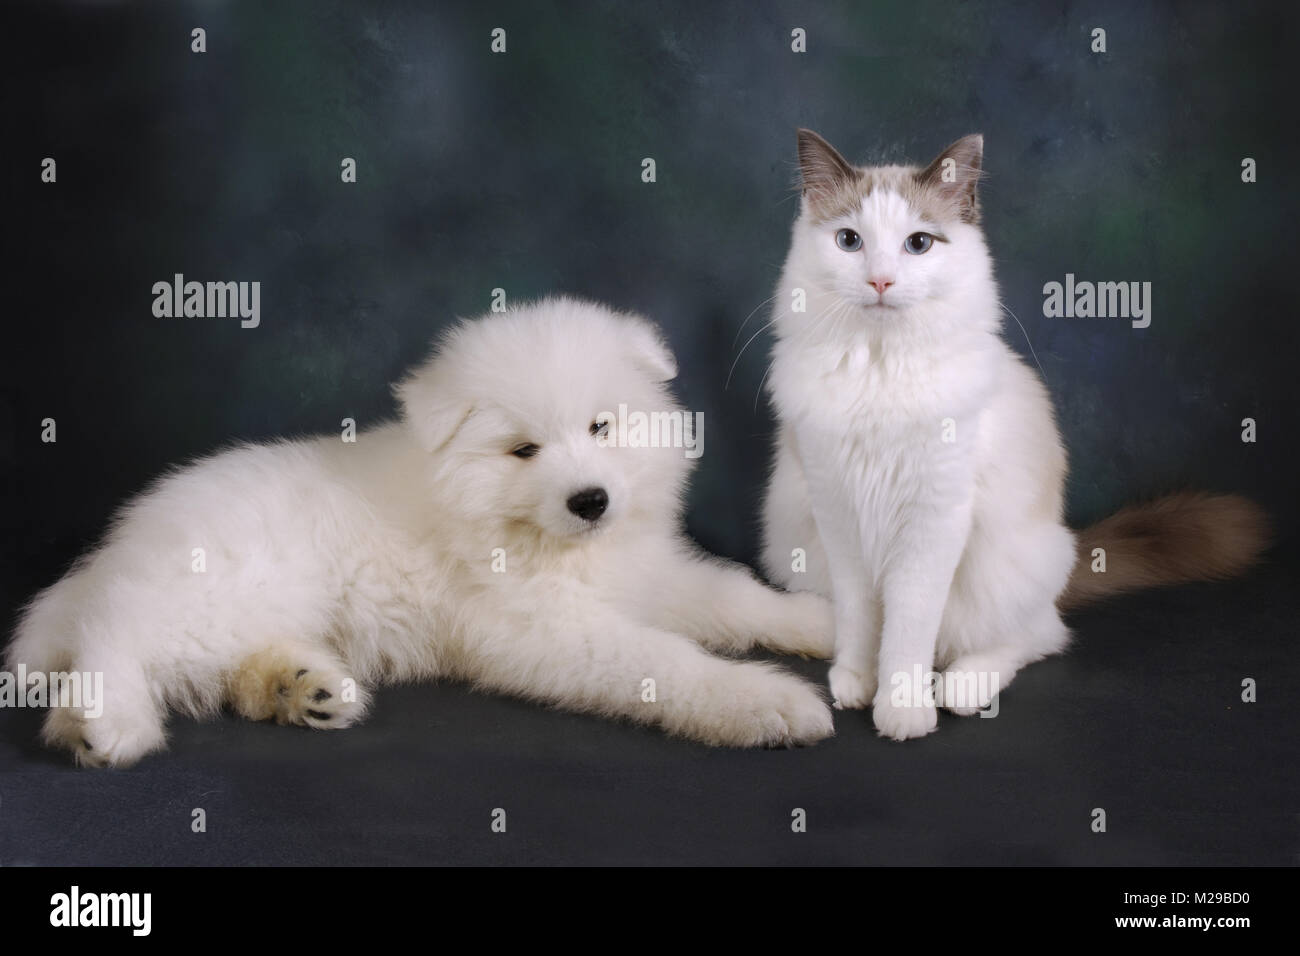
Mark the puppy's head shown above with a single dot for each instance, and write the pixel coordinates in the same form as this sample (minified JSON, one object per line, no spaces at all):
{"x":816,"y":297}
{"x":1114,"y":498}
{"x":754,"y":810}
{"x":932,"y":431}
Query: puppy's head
{"x":514,"y":410}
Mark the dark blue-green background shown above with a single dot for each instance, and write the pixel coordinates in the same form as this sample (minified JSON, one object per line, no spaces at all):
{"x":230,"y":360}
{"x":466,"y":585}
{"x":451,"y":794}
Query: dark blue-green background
{"x":522,"y":171}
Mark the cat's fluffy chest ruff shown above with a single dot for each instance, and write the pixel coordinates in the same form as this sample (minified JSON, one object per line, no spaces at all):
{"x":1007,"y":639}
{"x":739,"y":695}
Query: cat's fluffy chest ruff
{"x":881,"y":386}
{"x":883,"y":433}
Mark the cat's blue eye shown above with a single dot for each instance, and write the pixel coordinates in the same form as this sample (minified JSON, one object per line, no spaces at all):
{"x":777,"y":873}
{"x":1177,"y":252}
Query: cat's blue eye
{"x":918,"y":243}
{"x":848,"y":240}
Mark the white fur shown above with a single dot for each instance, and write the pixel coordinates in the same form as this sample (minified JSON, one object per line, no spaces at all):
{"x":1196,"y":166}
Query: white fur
{"x":936,"y":553}
{"x":374,"y":561}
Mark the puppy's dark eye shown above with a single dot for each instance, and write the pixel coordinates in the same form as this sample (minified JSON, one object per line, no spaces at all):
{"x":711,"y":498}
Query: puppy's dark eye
{"x":600,"y":428}
{"x":526,"y":450}
{"x":848,"y":240}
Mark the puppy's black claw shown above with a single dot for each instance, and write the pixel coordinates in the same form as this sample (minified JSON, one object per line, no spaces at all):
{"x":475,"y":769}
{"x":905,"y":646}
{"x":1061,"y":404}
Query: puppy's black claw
{"x":86,"y":743}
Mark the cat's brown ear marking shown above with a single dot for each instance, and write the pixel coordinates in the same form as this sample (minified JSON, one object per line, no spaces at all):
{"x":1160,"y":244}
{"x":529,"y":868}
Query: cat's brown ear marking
{"x":954,"y":174}
{"x":825,"y":172}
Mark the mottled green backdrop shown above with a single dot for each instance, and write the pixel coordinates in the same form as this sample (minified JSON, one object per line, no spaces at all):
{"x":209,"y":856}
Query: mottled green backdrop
{"x":522,"y":170}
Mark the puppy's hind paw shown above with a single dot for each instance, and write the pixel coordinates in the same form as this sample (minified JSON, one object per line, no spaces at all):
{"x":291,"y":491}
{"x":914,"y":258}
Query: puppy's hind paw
{"x":323,"y":699}
{"x":104,"y":741}
{"x":272,"y":685}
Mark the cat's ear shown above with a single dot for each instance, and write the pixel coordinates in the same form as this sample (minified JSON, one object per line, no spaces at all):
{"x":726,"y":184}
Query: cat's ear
{"x":955,"y":174}
{"x":650,"y":352}
{"x":825,"y":172}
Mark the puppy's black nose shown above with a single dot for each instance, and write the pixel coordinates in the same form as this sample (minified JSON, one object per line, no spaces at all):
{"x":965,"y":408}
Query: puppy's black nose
{"x":589,"y":503}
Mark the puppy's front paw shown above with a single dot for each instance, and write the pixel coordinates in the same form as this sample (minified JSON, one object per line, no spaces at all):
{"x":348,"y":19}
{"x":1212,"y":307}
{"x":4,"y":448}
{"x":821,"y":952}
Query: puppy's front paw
{"x":806,"y":627}
{"x":903,"y":721}
{"x":805,"y":715}
{"x":798,"y":717}
{"x":767,"y":708}
{"x":850,"y":689}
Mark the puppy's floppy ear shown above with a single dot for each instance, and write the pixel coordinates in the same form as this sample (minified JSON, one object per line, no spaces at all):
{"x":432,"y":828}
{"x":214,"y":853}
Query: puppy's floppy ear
{"x":650,"y":351}
{"x":432,"y":409}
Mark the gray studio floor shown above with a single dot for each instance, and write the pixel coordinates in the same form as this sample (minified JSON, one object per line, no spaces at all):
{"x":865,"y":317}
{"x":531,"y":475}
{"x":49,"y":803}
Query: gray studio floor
{"x":1143,"y":719}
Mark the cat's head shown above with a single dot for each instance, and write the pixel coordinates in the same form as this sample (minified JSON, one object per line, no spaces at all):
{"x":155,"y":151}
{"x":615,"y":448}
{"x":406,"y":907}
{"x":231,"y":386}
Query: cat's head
{"x":888,"y":244}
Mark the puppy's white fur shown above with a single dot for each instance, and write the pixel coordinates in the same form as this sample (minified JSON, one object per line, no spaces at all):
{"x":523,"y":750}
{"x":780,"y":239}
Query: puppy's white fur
{"x":332,"y":564}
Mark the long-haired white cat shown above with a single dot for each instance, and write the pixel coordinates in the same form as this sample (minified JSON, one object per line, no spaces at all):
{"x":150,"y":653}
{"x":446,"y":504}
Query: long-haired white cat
{"x":919,"y":472}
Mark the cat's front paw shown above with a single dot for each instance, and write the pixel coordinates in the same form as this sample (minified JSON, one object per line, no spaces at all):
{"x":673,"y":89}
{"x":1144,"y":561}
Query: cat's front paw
{"x":851,"y":689}
{"x":903,"y":721}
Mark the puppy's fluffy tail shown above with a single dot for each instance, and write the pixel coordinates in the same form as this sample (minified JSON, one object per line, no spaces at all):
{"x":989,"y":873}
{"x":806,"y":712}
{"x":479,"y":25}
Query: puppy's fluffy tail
{"x":1184,"y":537}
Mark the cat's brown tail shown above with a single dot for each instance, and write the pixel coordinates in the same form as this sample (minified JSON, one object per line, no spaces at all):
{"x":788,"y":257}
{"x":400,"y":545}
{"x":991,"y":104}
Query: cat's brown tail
{"x":1191,"y":536}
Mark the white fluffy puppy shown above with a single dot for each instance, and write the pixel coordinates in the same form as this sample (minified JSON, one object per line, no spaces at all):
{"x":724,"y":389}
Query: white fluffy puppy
{"x":489,"y":535}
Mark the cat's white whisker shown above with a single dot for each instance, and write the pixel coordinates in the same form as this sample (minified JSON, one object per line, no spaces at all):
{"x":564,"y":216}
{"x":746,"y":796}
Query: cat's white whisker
{"x":747,"y":344}
{"x":1041,"y":370}
{"x":748,"y":317}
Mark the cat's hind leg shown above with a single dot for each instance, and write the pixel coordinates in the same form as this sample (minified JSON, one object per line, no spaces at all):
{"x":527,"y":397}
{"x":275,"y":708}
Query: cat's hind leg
{"x":1001,"y":612}
{"x":793,"y":556}
{"x":971,"y":680}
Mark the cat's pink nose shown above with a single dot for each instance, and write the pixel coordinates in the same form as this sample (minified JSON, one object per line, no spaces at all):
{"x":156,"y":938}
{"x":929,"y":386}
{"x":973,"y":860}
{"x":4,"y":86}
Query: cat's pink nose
{"x":880,"y":285}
